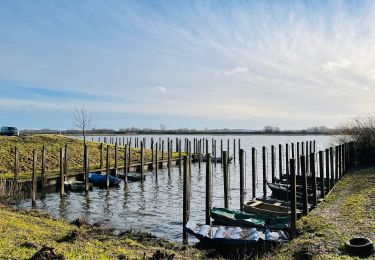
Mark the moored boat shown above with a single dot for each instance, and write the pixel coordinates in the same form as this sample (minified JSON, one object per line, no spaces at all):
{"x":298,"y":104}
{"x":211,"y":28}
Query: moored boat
{"x":234,"y":236}
{"x":76,"y":185}
{"x":101,"y":180}
{"x":259,"y":207}
{"x":230,"y":217}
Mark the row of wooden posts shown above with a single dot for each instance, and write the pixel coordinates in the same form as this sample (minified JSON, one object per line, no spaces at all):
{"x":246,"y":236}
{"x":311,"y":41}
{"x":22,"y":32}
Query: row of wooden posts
{"x":332,"y":167}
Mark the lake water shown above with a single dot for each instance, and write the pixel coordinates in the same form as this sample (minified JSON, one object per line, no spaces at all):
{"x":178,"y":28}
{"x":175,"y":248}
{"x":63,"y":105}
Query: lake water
{"x":156,"y":205}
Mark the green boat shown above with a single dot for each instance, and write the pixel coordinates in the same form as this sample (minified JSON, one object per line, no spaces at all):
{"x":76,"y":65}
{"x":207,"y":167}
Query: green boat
{"x":230,"y":217}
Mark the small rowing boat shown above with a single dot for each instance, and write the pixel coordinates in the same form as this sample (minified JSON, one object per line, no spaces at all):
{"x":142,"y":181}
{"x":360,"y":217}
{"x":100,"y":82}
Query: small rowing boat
{"x":230,"y":236}
{"x":74,"y":185}
{"x":259,"y":207}
{"x":230,"y":217}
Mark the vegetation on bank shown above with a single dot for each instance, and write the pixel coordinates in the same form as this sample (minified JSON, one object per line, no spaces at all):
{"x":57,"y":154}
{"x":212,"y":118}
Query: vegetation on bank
{"x":348,"y":211}
{"x":53,"y":143}
{"x":24,"y":233}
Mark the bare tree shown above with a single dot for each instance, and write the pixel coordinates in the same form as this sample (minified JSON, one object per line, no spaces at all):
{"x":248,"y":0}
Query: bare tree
{"x":82,"y":119}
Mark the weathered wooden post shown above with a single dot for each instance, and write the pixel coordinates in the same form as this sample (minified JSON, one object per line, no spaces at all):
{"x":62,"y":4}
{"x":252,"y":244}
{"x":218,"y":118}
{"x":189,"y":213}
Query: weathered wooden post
{"x":16,"y":167}
{"x":126,"y":163}
{"x":101,"y":155}
{"x":169,"y":156}
{"x":152,"y":153}
{"x":307,"y":157}
{"x":293,"y":150}
{"x":116,"y":147}
{"x":66,"y":161}
{"x":273,"y":162}
{"x":87,"y":169}
{"x":34,"y":179}
{"x":208,"y":188}
{"x":280,"y":161}
{"x":332,"y":167}
{"x":43,"y":171}
{"x":340,"y":162}
{"x":321,"y":170}
{"x":226,"y":180}
{"x":199,"y":154}
{"x":336,"y":163}
{"x":108,"y":169}
{"x":287,"y":159}
{"x":221,"y":151}
{"x":157,"y":160}
{"x":254,"y":170}
{"x":242,"y":178}
{"x":304,"y":186}
{"x":313,"y":175}
{"x":130,"y":156}
{"x":293,"y":199}
{"x":142,"y":162}
{"x":327,"y":172}
{"x":162,"y":154}
{"x":228,"y":150}
{"x":180,"y":156}
{"x":234,"y":150}
{"x":264,"y":171}
{"x":61,"y":172}
{"x":186,"y":197}
{"x":297,"y":161}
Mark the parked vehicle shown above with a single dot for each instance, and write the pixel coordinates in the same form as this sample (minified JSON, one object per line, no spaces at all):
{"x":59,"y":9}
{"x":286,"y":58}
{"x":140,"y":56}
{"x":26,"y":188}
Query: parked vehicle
{"x":9,"y":131}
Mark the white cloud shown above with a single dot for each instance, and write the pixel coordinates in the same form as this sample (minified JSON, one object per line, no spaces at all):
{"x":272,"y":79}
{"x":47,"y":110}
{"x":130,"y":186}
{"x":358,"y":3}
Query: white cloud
{"x":234,"y":71}
{"x":160,"y":88}
{"x":334,"y":66}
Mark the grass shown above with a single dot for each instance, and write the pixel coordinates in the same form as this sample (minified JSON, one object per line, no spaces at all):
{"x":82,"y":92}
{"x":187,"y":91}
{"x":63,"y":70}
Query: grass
{"x":53,"y":143}
{"x":348,"y":211}
{"x":23,"y":233}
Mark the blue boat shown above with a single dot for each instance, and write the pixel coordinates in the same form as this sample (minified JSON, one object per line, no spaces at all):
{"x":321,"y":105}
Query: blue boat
{"x":100,"y":180}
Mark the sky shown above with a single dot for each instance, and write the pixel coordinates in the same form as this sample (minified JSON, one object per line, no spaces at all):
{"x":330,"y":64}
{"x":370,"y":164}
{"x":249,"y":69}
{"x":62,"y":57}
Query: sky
{"x":186,"y":64}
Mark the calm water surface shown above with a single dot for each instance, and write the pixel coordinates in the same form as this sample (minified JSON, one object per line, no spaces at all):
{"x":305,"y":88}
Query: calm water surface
{"x":156,"y":205}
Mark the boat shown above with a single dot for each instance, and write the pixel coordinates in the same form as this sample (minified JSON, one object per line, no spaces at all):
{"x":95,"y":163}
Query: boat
{"x":74,"y":185}
{"x":284,"y":203}
{"x":282,"y":191}
{"x":132,"y":176}
{"x":101,"y":180}
{"x":231,"y":217}
{"x":230,"y":236}
{"x":260,"y":207}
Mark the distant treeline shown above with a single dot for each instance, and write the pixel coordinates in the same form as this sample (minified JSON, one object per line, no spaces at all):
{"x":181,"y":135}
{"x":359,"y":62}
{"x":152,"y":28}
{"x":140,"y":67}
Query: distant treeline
{"x":267,"y":130}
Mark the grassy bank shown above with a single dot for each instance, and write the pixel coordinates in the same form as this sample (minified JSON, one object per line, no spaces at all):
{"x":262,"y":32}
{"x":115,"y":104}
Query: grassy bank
{"x":348,"y":211}
{"x":53,"y":143}
{"x":23,"y":233}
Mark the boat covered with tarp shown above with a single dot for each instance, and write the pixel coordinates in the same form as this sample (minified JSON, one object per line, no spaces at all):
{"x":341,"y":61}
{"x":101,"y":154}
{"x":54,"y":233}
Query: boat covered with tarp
{"x":232,"y":217}
{"x":101,"y":180}
{"x":231,"y":236}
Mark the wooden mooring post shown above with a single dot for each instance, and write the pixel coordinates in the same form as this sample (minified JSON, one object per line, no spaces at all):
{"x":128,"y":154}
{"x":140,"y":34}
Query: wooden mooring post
{"x":313,"y":176}
{"x":280,"y":161}
{"x":108,"y":169}
{"x":332,"y":167}
{"x":208,"y":188}
{"x":327,"y":172}
{"x":226,"y":179}
{"x":87,"y":169}
{"x":126,"y":166}
{"x":186,"y":198}
{"x":157,"y":160}
{"x":321,"y":175}
{"x":304,"y":186}
{"x":142,"y":162}
{"x":116,"y":157}
{"x":61,"y":172}
{"x":264,"y":162}
{"x":101,"y":156}
{"x":293,"y":199}
{"x":242,"y":178}
{"x":234,"y":150}
{"x":287,"y":159}
{"x":34,"y":179}
{"x":254,"y":170}
{"x":273,"y":163}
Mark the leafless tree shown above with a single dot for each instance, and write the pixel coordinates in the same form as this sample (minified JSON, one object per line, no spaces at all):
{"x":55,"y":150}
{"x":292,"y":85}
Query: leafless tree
{"x":82,"y":119}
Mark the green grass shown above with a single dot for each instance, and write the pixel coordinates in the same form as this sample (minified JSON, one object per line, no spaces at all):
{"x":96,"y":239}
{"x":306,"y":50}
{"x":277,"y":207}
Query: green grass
{"x":53,"y":143}
{"x":348,"y":211}
{"x":19,"y":227}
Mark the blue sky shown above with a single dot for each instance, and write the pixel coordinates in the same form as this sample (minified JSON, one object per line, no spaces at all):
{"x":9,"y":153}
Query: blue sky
{"x":193,"y":64}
